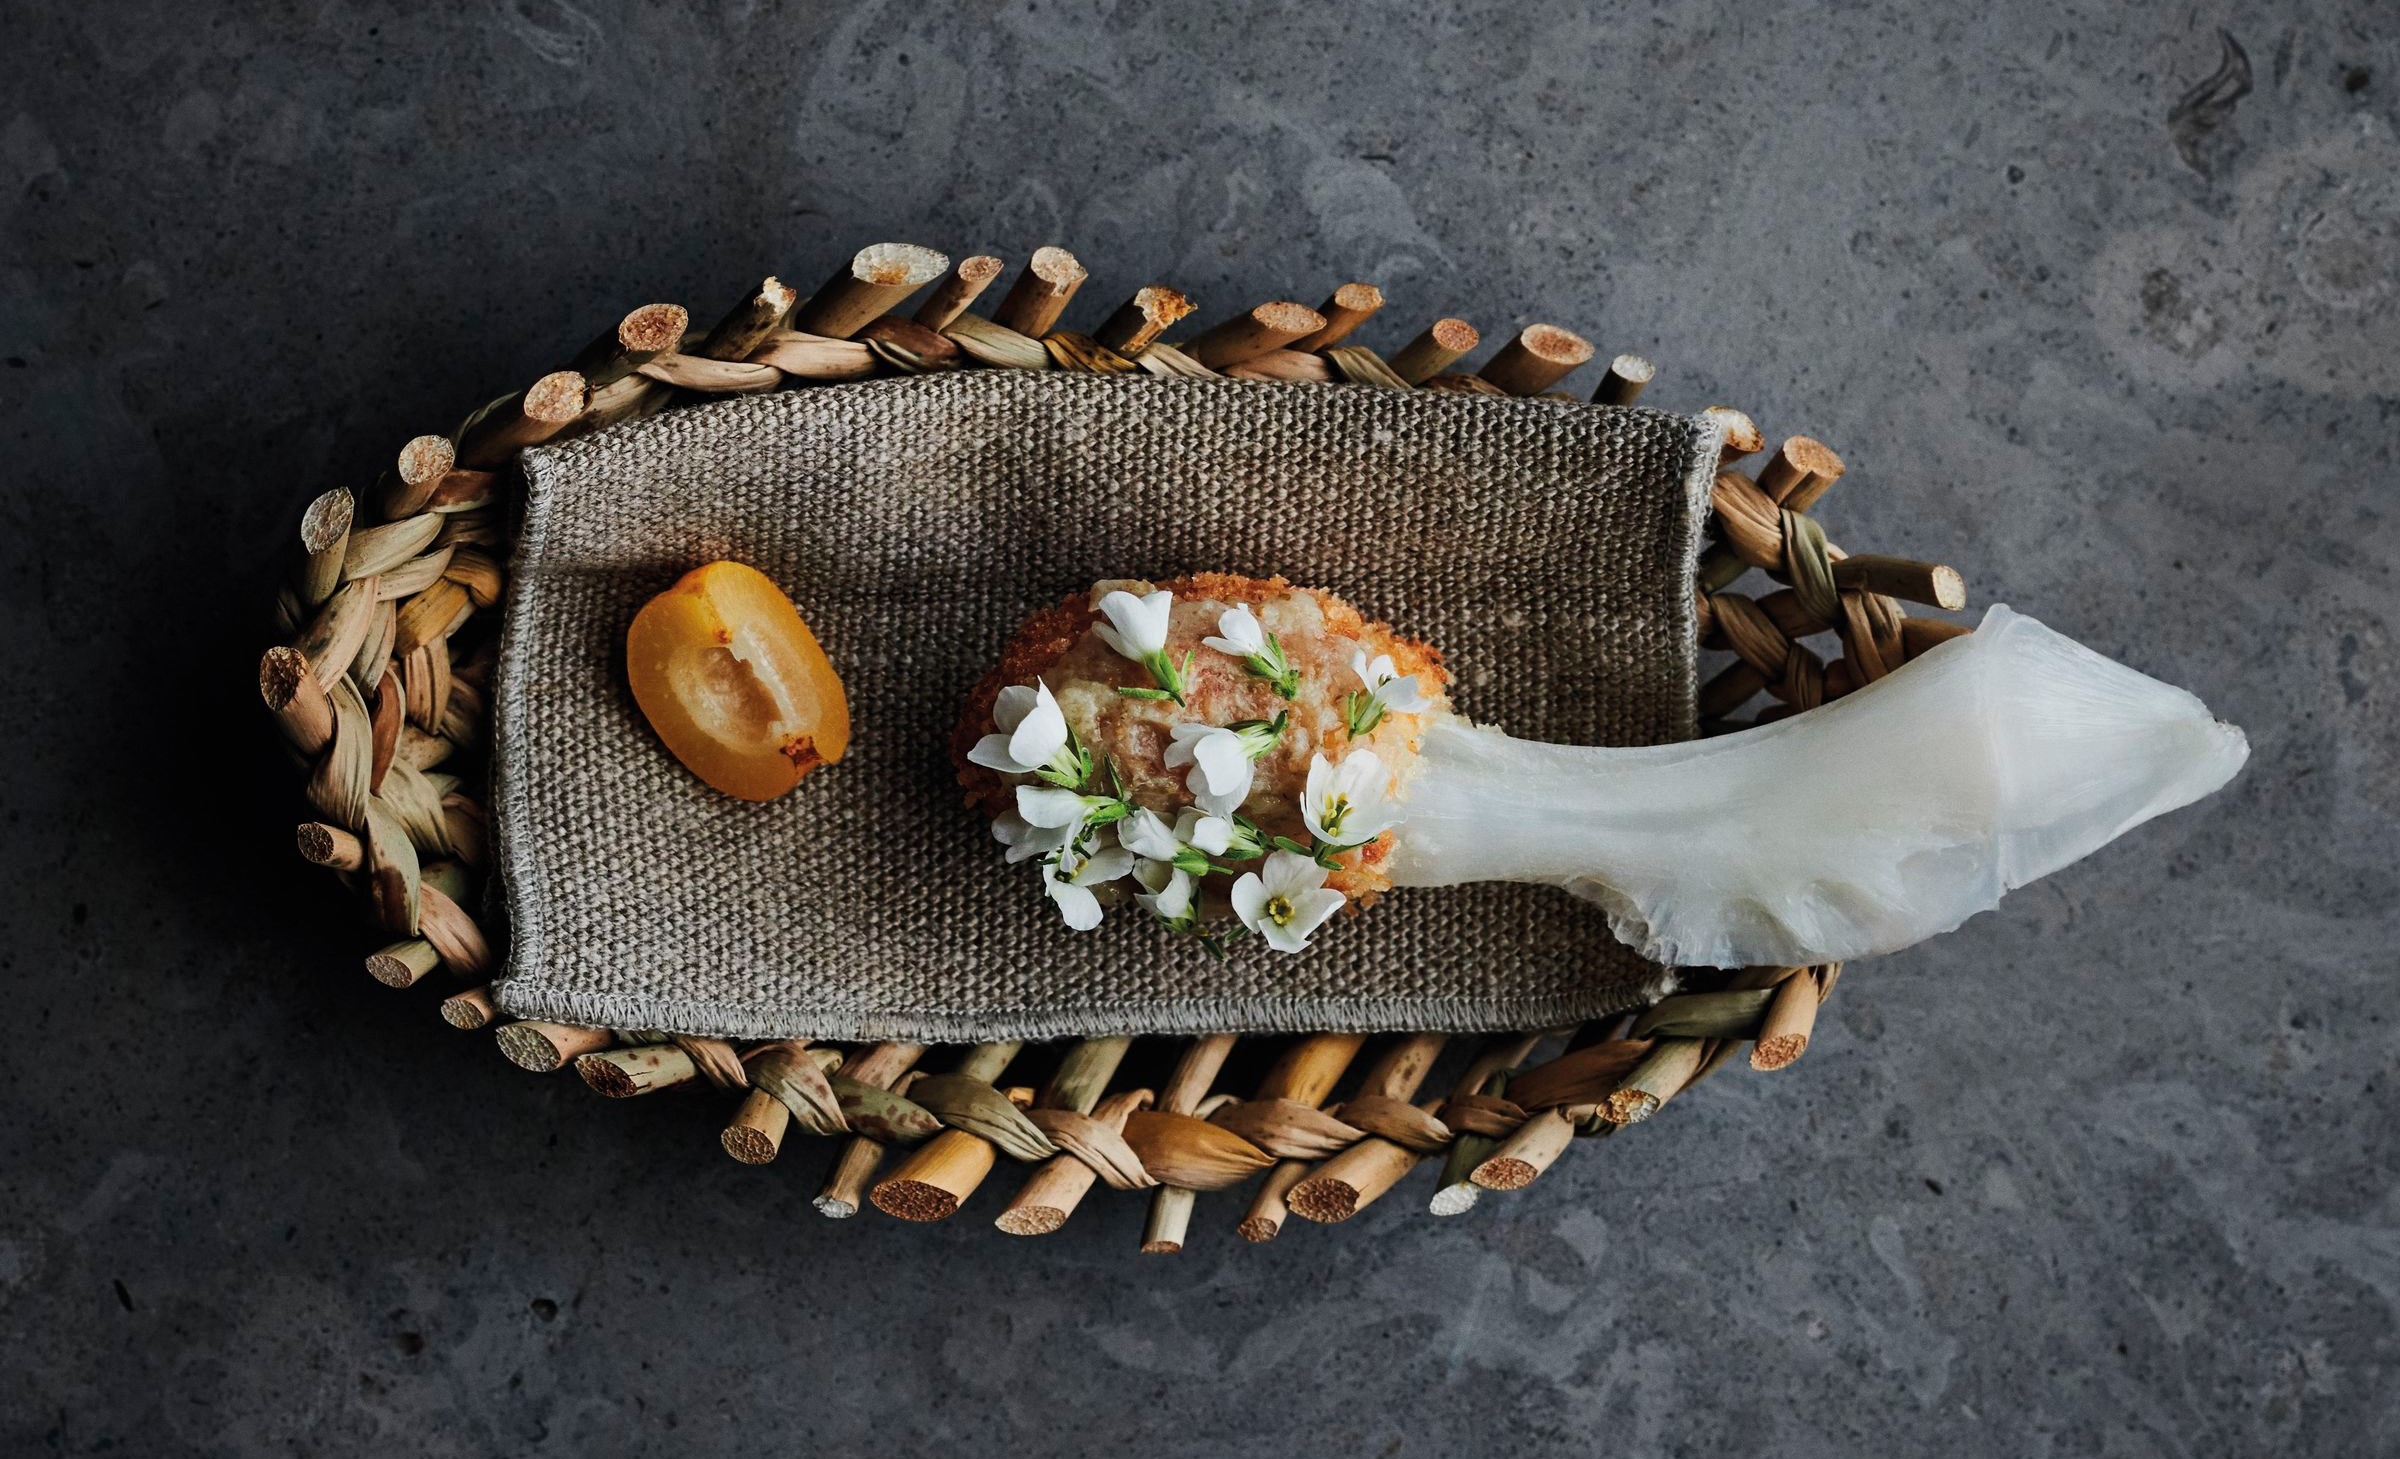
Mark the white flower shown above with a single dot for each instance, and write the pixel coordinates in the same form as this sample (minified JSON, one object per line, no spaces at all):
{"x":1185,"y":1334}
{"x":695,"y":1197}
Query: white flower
{"x":1136,"y":627}
{"x":1242,"y":636}
{"x":1049,"y":807}
{"x":1155,"y":876}
{"x":1032,"y":731}
{"x":1188,"y":844}
{"x":1025,"y":840}
{"x":1172,"y":895}
{"x":1069,"y":878}
{"x":1144,"y":834}
{"x":1345,"y":804}
{"x":1220,"y":761}
{"x":1202,"y":832}
{"x":1387,"y":686}
{"x":1286,"y":901}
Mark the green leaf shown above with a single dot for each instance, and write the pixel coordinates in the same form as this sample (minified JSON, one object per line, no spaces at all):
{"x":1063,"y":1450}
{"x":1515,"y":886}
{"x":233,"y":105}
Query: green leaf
{"x":1132,"y":693}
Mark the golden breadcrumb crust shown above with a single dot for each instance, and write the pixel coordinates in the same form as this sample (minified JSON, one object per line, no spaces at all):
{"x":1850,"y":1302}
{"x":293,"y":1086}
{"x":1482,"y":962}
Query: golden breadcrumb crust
{"x":1056,"y":644}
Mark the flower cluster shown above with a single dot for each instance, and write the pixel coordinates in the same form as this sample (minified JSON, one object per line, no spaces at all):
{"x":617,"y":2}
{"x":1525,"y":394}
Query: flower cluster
{"x":1062,"y":813}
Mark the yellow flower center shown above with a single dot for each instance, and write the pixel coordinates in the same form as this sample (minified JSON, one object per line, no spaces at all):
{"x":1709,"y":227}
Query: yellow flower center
{"x":1280,"y":910}
{"x":1337,"y":810}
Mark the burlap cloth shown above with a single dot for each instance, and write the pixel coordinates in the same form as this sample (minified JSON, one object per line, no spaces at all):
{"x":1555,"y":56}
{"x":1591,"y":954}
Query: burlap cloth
{"x":1547,"y":548}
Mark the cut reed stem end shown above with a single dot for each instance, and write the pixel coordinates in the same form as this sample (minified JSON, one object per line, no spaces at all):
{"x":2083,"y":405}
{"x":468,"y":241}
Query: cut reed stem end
{"x":1626,"y":377}
{"x":545,"y":1048}
{"x":1324,"y":1201}
{"x":1030,"y":1220}
{"x":914,"y":1200}
{"x":1138,"y":322}
{"x":1040,"y":293}
{"x":877,"y":277}
{"x":1270,"y":326}
{"x":1536,"y":359}
{"x":1742,"y":435}
{"x":472,"y":1009}
{"x":1444,"y":343}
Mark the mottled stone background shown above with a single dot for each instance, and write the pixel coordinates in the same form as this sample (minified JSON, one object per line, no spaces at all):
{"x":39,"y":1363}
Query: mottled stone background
{"x":2111,"y":1172}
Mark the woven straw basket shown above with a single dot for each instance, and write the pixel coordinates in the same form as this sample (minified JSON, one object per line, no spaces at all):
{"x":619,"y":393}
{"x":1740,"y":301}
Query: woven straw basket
{"x":380,"y":686}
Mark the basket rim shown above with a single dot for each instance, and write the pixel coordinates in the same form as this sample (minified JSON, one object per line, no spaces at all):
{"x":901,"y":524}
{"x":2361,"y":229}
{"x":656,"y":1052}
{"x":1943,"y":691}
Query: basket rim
{"x":389,"y":580}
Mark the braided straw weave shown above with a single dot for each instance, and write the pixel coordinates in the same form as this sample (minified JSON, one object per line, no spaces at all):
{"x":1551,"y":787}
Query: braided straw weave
{"x":380,"y":689}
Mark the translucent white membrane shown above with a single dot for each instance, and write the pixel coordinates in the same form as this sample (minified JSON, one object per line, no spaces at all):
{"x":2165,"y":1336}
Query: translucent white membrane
{"x":1860,"y":827}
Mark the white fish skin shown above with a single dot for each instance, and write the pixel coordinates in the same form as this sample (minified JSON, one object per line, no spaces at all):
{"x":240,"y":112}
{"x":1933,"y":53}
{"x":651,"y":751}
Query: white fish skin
{"x":1860,"y":827}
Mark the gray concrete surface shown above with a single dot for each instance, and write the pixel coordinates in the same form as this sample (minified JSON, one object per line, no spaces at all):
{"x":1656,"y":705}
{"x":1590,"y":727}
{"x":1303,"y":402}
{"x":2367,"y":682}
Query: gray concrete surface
{"x":2108,"y":1173}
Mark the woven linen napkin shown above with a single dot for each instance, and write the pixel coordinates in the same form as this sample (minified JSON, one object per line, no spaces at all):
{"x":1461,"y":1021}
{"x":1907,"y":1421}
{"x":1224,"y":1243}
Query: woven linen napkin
{"x":1547,"y":548}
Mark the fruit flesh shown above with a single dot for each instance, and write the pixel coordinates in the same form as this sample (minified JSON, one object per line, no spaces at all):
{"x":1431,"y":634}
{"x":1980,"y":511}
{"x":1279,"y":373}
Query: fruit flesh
{"x":734,"y":682}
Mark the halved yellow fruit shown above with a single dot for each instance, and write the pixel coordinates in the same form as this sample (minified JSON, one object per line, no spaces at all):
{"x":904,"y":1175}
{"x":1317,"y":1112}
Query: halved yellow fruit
{"x":729,"y":675}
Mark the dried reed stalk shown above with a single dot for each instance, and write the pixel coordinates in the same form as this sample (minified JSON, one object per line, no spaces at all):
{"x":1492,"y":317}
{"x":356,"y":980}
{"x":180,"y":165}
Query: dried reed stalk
{"x":814,"y":358}
{"x":376,"y":550}
{"x":1790,"y":1020}
{"x":404,"y":963}
{"x":500,"y":430}
{"x":1800,"y":472}
{"x":711,"y":377}
{"x":420,"y":466}
{"x":1048,"y":1196}
{"x":1301,"y":1077}
{"x":1538,"y":358}
{"x":1662,"y":1073}
{"x":1350,"y":1181}
{"x":641,"y":1069}
{"x":640,"y":337}
{"x":873,"y":283}
{"x":939,"y":1175}
{"x":996,"y":344}
{"x":1444,"y":343}
{"x":1579,"y":1076}
{"x":471,"y":1009}
{"x":1080,"y":352}
{"x":846,"y":1181}
{"x":1725,"y":1013}
{"x":297,"y":700}
{"x":415,"y":575}
{"x":478,"y":572}
{"x":747,"y":323}
{"x":1899,"y":577}
{"x":330,"y":846}
{"x":1742,"y":436}
{"x":1093,"y":1148}
{"x":1526,"y":1154}
{"x":1191,"y":1153}
{"x":544,"y":1048}
{"x":1270,"y":326}
{"x":1360,"y":366}
{"x":1345,"y":310}
{"x":324,"y":544}
{"x":1170,"y":1217}
{"x":1455,"y":1192}
{"x":958,"y":293}
{"x":1623,"y":384}
{"x":1040,"y":294}
{"x":1140,"y":320}
{"x":1284,"y":367}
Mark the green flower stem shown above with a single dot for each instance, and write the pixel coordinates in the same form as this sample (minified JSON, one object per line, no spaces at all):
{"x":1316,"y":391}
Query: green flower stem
{"x":1171,"y":680}
{"x":1271,"y":665}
